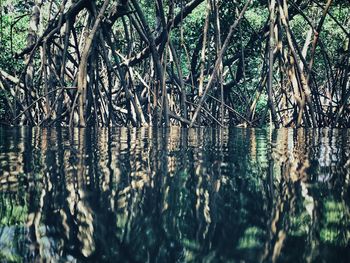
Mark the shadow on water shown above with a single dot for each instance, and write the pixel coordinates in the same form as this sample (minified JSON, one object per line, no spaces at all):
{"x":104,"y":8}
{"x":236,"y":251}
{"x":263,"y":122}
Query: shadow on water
{"x":177,"y":195}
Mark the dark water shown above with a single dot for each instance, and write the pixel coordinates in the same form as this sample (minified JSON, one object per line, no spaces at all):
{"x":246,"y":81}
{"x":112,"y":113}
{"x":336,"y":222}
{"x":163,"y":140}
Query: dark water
{"x":178,"y":195}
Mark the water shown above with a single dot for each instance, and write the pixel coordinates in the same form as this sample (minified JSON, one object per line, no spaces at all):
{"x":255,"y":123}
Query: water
{"x":177,"y":195}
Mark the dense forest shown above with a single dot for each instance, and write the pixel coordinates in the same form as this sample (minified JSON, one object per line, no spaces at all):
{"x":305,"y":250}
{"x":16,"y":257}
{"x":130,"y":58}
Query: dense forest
{"x":175,"y":62}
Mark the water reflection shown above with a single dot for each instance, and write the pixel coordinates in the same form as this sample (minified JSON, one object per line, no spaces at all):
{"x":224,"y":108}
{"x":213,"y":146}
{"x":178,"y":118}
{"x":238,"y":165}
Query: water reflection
{"x":177,"y":195}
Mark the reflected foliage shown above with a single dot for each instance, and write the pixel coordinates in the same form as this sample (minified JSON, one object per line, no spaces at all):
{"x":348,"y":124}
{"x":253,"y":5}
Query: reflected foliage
{"x":174,"y":195}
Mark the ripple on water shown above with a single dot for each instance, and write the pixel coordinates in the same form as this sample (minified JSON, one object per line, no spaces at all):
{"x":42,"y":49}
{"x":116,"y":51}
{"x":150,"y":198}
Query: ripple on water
{"x":174,"y":194}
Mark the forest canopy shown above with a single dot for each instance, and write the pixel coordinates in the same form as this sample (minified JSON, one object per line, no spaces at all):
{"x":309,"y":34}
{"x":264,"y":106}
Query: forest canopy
{"x":175,"y":62}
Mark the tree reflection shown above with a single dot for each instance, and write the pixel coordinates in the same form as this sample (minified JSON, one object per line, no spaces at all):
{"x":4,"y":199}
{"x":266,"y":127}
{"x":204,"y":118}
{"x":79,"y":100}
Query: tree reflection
{"x":174,"y":195}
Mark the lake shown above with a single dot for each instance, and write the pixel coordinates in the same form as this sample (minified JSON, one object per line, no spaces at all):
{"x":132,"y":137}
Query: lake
{"x":174,"y":195}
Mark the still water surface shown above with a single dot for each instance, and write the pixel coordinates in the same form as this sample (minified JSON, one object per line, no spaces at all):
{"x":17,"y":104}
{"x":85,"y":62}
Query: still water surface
{"x":176,"y":195}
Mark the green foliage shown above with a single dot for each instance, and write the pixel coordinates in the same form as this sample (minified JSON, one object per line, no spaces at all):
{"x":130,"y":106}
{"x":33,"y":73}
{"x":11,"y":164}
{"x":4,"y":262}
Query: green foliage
{"x":13,"y":37}
{"x":251,"y":238}
{"x":334,"y":222}
{"x":257,"y":17}
{"x":6,"y":256}
{"x":300,"y":224}
{"x":13,"y":214}
{"x":13,"y":34}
